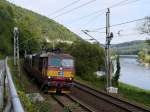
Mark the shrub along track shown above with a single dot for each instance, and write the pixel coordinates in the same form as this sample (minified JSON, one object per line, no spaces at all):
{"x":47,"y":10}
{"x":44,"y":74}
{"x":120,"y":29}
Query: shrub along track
{"x":101,"y":101}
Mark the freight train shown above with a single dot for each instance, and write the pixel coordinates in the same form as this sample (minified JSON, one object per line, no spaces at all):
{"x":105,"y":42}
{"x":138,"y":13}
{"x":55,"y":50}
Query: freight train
{"x":53,"y":70}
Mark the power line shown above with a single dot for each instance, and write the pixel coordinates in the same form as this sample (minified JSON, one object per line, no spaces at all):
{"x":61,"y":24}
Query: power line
{"x":121,"y":3}
{"x":61,"y":9}
{"x":82,"y":5}
{"x":129,"y":34}
{"x":119,"y":24}
{"x":88,"y":22}
{"x":100,"y":11}
{"x":130,"y":2}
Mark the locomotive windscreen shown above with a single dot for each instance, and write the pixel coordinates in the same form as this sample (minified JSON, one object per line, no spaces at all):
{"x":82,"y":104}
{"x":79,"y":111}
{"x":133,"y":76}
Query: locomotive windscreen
{"x":67,"y":62}
{"x":55,"y":61}
{"x":58,"y":62}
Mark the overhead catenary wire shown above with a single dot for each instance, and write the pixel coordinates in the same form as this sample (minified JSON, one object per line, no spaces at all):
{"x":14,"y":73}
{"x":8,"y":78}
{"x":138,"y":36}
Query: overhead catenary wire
{"x":61,"y":9}
{"x":82,"y":5}
{"x":118,"y":24}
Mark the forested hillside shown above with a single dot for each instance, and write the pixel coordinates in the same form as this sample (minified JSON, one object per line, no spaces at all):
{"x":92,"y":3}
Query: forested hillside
{"x":32,"y":26}
{"x":132,"y":47}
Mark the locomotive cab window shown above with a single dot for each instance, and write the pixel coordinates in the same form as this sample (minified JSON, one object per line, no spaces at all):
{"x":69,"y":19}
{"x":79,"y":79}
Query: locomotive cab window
{"x":67,"y":62}
{"x":55,"y":61}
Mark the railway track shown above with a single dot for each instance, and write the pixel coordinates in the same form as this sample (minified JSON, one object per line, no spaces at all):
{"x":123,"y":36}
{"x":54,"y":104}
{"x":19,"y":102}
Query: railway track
{"x":86,"y":99}
{"x":102,"y":101}
{"x":71,"y":104}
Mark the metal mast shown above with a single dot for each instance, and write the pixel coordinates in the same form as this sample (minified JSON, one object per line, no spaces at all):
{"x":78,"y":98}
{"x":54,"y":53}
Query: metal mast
{"x":16,"y":49}
{"x":109,"y":36}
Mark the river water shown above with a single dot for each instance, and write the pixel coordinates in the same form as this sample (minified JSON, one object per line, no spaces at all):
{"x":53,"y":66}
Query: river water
{"x":134,"y":74}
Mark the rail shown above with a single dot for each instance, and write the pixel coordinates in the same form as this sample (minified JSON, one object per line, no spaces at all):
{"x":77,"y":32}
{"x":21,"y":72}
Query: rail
{"x":123,"y":104}
{"x":14,"y":99}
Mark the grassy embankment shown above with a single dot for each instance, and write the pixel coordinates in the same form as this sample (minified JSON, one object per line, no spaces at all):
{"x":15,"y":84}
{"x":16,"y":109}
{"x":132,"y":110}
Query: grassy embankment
{"x":1,"y":56}
{"x":22,"y":85}
{"x":127,"y":92}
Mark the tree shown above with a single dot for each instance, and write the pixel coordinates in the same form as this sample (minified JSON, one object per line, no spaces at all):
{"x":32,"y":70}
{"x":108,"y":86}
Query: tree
{"x":145,"y":28}
{"x":88,"y":58}
{"x":117,"y":73}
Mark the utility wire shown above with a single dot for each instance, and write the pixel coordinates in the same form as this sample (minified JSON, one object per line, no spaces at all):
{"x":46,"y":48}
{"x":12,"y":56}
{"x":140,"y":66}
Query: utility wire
{"x":121,"y":3}
{"x":119,"y":24}
{"x":129,"y":34}
{"x":82,"y":5}
{"x":92,"y":19}
{"x":130,"y":2}
{"x":61,"y":9}
{"x":99,"y":11}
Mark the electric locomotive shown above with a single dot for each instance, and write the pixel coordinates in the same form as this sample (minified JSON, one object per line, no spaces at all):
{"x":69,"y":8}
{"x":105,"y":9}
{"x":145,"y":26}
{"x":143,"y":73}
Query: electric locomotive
{"x":54,"y":70}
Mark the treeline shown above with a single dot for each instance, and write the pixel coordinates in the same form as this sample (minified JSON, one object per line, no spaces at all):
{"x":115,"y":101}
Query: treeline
{"x":130,"y":48}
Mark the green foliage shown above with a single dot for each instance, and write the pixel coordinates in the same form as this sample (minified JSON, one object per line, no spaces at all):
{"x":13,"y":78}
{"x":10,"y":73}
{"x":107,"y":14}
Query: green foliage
{"x":26,"y":102}
{"x":144,"y":56}
{"x":141,"y":54}
{"x":117,"y":73}
{"x":148,"y":41}
{"x":21,"y":86}
{"x":88,"y":58}
{"x":32,"y":26}
{"x":134,"y":94}
{"x":130,"y":48}
{"x":6,"y":23}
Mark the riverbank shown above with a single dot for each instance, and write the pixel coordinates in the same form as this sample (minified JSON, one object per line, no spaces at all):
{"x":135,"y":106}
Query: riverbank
{"x":144,"y":58}
{"x":143,"y":63}
{"x":133,"y":94}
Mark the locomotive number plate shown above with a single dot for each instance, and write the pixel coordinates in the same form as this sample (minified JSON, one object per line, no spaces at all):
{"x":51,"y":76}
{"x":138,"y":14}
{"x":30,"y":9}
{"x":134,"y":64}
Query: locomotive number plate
{"x":61,"y":73}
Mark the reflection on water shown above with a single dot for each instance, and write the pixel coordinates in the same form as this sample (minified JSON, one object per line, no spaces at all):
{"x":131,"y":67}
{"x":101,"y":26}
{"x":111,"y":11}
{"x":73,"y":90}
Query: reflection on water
{"x":134,"y":74}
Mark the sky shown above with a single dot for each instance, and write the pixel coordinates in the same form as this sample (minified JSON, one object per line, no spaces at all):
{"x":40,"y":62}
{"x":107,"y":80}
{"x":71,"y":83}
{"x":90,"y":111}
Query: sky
{"x":83,"y":18}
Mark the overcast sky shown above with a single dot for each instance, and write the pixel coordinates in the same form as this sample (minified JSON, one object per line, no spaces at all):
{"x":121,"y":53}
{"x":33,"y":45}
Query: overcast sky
{"x":134,"y":9}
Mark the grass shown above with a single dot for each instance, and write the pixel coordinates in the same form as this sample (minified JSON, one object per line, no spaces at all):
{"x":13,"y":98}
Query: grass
{"x":21,"y":86}
{"x":135,"y":94}
{"x":1,"y":56}
{"x":96,"y":84}
{"x":127,"y":92}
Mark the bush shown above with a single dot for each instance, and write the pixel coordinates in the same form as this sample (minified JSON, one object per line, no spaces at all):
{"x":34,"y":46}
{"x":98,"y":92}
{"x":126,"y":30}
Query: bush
{"x":88,"y":58}
{"x":115,"y":78}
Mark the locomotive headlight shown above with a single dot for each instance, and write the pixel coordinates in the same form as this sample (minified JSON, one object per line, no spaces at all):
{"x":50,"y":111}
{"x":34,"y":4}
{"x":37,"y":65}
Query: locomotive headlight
{"x":61,"y":68}
{"x":70,"y":78}
{"x":49,"y":77}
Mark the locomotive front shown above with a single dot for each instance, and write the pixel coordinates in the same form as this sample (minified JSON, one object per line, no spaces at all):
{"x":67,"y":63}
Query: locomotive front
{"x":60,"y":72}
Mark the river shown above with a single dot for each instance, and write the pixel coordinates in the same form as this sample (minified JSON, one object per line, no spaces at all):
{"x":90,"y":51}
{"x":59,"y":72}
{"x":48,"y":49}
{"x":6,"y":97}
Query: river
{"x":134,"y":74}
